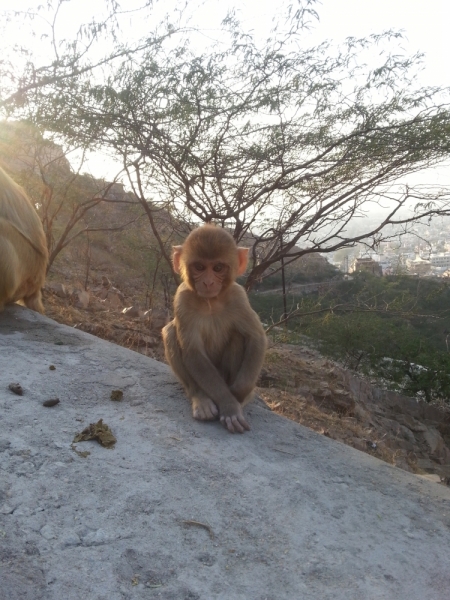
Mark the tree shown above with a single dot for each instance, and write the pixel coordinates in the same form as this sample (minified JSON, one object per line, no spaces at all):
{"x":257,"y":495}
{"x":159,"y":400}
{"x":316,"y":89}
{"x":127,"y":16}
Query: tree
{"x":283,"y":144}
{"x":65,"y":199}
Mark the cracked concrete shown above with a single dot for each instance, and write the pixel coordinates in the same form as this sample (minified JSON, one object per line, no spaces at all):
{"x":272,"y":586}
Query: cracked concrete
{"x":183,"y":510}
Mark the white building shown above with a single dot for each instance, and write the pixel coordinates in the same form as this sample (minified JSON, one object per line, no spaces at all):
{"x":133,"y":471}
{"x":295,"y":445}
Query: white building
{"x":440,"y":259}
{"x":418,"y":266}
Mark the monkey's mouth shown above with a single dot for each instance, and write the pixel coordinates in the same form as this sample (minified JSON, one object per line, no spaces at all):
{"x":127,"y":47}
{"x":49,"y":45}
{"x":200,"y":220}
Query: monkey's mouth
{"x":209,"y":294}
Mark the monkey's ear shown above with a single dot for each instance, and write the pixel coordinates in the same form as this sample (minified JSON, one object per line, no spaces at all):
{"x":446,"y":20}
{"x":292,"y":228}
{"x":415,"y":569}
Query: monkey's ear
{"x":242,"y":260}
{"x":176,"y":258}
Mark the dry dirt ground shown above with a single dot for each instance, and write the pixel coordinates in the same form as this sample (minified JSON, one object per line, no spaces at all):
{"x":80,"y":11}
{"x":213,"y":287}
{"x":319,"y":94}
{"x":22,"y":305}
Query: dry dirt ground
{"x":296,"y":382}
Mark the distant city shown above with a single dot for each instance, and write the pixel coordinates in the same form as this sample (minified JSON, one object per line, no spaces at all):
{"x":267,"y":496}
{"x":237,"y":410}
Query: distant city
{"x":424,"y":252}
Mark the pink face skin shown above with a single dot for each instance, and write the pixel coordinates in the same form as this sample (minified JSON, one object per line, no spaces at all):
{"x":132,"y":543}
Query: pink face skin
{"x":208,"y":277}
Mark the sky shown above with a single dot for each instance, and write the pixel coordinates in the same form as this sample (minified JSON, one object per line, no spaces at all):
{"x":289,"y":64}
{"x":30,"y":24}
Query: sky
{"x":424,"y":24}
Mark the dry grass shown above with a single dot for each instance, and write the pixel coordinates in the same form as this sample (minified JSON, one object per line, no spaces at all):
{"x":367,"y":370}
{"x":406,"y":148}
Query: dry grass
{"x":308,"y":389}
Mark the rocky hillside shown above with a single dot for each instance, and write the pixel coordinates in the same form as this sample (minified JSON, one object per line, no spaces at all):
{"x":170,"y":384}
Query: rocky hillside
{"x":296,"y":382}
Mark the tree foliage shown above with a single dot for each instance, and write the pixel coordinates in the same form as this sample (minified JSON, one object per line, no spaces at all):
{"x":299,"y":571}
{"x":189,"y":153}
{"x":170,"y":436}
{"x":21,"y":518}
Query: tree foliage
{"x":284,"y":144}
{"x":394,"y":328}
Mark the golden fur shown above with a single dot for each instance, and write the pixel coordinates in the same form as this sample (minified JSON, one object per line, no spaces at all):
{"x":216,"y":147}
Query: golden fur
{"x":215,"y":343}
{"x":23,"y":249}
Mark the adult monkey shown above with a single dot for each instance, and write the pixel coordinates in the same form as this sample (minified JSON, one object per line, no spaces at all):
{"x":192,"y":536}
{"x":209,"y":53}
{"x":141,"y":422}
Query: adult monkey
{"x":23,"y":249}
{"x":215,"y":343}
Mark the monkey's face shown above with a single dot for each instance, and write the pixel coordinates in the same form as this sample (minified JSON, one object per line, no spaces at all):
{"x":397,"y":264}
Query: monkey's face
{"x":208,"y":277}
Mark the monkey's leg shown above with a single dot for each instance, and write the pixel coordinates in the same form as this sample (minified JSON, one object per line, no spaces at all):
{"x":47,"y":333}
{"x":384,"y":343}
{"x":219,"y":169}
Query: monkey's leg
{"x":32,"y":294}
{"x":9,"y":271}
{"x":34,"y":301}
{"x":231,"y":364}
{"x":203,"y":408}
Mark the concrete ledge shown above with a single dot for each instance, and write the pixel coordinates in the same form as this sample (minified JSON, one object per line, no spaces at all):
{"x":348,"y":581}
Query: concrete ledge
{"x":286,"y":513}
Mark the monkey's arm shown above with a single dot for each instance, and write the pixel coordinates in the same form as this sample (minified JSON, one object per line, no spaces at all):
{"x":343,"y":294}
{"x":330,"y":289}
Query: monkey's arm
{"x":191,"y":332}
{"x":255,"y":348}
{"x":249,"y":326}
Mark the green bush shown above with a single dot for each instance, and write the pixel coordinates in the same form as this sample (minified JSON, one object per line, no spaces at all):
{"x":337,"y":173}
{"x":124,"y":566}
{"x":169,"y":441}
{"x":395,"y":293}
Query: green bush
{"x":396,"y":329}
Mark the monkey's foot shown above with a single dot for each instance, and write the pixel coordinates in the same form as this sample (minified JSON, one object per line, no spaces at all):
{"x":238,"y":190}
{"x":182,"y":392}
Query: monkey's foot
{"x":204,"y":409}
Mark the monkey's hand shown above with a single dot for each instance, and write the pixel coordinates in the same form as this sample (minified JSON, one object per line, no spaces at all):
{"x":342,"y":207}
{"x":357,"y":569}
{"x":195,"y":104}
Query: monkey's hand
{"x":232,"y":418}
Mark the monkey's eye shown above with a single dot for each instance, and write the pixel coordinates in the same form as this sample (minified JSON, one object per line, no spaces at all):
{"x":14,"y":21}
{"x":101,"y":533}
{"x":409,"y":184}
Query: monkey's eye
{"x":199,"y":266}
{"x":218,"y":268}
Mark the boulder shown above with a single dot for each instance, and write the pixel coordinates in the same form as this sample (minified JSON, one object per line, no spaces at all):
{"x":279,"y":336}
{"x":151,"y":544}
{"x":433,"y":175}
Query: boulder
{"x":343,"y":404}
{"x":59,"y":289}
{"x":80,"y":298}
{"x":435,"y":442}
{"x":114,"y":298}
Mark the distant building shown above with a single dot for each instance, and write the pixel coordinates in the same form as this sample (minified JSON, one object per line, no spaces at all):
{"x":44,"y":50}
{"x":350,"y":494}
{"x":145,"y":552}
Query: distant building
{"x":367,"y":265}
{"x":441,"y":259}
{"x":385,"y":261}
{"x":418,"y":266}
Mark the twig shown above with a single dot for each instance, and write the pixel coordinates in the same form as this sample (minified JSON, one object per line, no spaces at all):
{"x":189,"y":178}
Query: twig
{"x":198,"y":524}
{"x":283,"y":451}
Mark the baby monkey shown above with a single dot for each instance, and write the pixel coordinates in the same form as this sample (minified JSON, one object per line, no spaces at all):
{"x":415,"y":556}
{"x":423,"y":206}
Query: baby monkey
{"x":215,"y":343}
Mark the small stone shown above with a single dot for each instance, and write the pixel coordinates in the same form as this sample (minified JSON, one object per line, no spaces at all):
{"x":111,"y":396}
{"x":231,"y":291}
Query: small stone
{"x":51,"y":402}
{"x":16,"y":388}
{"x":117,"y":395}
{"x":52,"y":367}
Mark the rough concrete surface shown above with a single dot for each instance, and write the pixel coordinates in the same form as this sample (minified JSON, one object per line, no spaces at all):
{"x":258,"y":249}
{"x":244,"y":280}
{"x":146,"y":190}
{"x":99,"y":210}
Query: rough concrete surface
{"x":286,"y":513}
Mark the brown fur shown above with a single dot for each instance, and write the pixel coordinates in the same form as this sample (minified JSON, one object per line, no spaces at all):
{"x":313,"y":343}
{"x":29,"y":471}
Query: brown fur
{"x":23,"y":250}
{"x":216,"y":343}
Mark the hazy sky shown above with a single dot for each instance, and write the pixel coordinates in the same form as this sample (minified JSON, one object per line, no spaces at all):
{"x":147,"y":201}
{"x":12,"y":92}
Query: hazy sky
{"x":424,"y":22}
{"x":425,"y":25}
